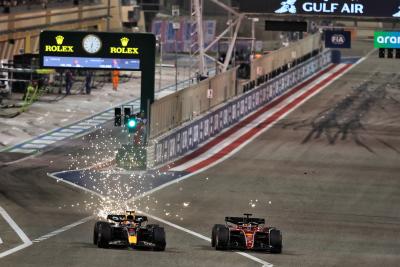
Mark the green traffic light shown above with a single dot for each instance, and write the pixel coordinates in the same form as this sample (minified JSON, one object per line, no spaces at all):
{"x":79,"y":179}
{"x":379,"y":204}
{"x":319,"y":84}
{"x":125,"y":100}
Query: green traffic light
{"x":131,"y":123}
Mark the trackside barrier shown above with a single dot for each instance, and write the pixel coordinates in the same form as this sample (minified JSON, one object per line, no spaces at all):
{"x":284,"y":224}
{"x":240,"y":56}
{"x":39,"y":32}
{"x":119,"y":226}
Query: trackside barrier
{"x":284,"y":56}
{"x":188,"y":137}
{"x":175,"y":109}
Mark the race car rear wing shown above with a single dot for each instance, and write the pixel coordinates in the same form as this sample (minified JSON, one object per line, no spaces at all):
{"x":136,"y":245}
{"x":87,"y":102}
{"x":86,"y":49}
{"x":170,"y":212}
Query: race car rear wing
{"x":244,"y":220}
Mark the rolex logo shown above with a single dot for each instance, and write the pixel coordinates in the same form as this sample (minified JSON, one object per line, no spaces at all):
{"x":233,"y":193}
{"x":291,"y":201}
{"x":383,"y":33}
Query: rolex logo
{"x":124,"y":41}
{"x":59,"y":39}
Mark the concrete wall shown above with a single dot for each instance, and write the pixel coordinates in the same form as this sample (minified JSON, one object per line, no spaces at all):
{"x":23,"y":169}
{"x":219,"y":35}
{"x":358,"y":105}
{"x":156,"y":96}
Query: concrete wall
{"x":174,"y":109}
{"x":283,"y":56}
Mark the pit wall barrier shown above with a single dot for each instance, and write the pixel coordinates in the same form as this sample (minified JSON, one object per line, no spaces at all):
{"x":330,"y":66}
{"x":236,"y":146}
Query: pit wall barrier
{"x":188,"y":137}
{"x":173,"y":110}
{"x":287,"y":55}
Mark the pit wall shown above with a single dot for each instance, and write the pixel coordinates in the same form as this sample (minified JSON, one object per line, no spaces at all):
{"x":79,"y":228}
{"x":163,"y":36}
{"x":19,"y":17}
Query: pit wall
{"x":189,"y":136}
{"x":278,"y":58}
{"x":175,"y":109}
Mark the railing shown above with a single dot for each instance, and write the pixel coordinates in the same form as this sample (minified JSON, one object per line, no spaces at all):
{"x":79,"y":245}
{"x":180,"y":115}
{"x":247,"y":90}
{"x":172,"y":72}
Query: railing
{"x":10,"y":23}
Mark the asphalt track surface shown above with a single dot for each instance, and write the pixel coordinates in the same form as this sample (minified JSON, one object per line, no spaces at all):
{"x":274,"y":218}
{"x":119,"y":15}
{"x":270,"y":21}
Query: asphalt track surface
{"x":327,"y":175}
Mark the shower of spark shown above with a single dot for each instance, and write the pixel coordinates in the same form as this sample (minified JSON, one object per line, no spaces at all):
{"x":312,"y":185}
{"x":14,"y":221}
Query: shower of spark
{"x":119,"y":188}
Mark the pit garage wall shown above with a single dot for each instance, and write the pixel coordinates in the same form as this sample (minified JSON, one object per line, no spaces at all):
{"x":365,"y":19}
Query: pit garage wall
{"x":184,"y":139}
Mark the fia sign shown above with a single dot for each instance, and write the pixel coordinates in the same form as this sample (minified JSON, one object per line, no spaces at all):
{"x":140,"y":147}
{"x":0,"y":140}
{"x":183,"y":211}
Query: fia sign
{"x":337,"y":39}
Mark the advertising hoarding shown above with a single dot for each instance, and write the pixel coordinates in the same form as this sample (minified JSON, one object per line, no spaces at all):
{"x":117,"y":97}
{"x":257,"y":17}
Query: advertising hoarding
{"x":94,"y":50}
{"x":337,"y":39}
{"x":359,"y":8}
{"x":387,"y":39}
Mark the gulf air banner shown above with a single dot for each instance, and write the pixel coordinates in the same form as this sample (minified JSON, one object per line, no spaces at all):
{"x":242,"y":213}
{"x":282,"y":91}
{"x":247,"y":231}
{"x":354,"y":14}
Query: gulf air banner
{"x":354,"y":8}
{"x":387,"y":39}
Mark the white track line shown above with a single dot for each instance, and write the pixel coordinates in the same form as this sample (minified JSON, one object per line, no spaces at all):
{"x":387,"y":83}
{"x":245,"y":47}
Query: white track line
{"x":63,"y":229}
{"x":1,"y":241}
{"x":26,"y":241}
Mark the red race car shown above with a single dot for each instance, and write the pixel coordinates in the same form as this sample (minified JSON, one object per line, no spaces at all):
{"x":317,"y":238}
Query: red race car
{"x":246,"y":233}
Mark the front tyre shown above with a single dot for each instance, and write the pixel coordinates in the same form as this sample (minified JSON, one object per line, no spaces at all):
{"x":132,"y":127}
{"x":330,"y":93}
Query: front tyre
{"x":104,"y":235}
{"x":275,"y":241}
{"x":159,"y":238}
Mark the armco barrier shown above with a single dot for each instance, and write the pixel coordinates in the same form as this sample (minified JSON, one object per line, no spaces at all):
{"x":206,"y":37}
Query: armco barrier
{"x":188,"y":137}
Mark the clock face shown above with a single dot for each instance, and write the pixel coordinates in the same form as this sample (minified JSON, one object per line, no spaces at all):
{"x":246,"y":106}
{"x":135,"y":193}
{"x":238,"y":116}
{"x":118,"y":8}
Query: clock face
{"x":91,"y":43}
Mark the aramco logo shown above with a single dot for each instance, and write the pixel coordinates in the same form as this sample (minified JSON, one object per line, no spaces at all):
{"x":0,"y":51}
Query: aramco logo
{"x":387,"y":39}
{"x":124,"y":41}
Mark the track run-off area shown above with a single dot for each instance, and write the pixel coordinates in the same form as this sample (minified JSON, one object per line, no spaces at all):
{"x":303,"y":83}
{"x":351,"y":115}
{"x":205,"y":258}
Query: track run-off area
{"x":322,"y":166}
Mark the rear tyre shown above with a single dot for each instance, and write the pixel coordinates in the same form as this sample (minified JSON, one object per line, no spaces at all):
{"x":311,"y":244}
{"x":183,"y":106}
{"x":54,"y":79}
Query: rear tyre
{"x":222,"y":238}
{"x":95,"y":233}
{"x":275,"y":241}
{"x":104,"y":235}
{"x":214,"y":233}
{"x":159,"y":238}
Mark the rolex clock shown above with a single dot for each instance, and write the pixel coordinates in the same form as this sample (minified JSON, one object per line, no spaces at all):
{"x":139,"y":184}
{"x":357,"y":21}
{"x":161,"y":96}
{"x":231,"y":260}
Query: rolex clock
{"x":91,"y":44}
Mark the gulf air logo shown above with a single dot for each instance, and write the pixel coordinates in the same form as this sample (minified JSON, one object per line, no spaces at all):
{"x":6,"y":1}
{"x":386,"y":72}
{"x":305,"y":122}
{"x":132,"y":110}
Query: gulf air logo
{"x":289,"y":6}
{"x":397,"y":14}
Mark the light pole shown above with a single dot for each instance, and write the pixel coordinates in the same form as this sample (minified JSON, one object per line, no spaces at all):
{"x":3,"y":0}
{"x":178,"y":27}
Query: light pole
{"x":161,"y":59}
{"x":108,"y":14}
{"x":176,"y":27}
{"x":253,"y":34}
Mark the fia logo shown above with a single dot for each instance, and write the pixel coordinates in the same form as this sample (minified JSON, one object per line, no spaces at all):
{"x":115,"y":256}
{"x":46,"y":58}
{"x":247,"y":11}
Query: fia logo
{"x":338,"y":39}
{"x":397,"y":14}
{"x":287,"y":7}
